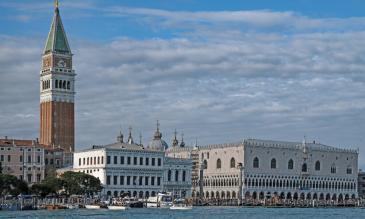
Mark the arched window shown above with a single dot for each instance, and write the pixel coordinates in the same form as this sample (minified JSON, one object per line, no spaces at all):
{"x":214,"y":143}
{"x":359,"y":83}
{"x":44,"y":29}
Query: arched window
{"x":333,"y":168}
{"x":290,"y":164}
{"x":349,"y":170}
{"x":304,"y":167}
{"x":56,"y":84}
{"x":68,"y":85}
{"x":233,"y":163}
{"x":205,"y":163}
{"x":273,"y":163}
{"x":317,"y":166}
{"x":64,"y":85}
{"x":60,"y":83}
{"x":169,"y":175}
{"x":219,"y":163}
{"x":256,"y":163}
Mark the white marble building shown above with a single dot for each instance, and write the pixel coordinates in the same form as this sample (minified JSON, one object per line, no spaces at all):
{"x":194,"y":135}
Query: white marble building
{"x":127,"y":167}
{"x":288,"y":170}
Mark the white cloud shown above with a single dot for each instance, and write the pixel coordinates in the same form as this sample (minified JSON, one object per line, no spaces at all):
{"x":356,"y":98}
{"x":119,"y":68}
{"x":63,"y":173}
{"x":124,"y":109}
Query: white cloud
{"x":219,"y":86}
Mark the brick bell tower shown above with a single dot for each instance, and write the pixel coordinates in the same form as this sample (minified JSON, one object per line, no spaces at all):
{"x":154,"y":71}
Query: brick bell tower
{"x":57,"y":89}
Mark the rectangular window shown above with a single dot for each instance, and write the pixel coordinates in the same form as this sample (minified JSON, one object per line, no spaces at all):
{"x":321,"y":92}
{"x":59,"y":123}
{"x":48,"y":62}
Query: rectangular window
{"x":94,"y":160}
{"x":98,"y":160}
{"x":29,"y":178}
{"x":79,"y":161}
{"x":128,"y":160}
{"x":152,"y":180}
{"x":108,"y":160}
{"x":176,"y":175}
{"x":122,"y":160}
{"x":153,"y":161}
{"x":115,"y":160}
{"x":147,"y":161}
{"x":134,"y":180}
{"x":87,"y":161}
{"x":183,"y":176}
{"x":91,"y":161}
{"x":9,"y":158}
{"x":21,"y":158}
{"x":146,"y":181}
{"x":140,"y":180}
{"x":38,"y":159}
{"x":83,"y":161}
{"x":135,"y":160}
{"x":51,"y":161}
{"x":158,"y":181}
{"x":38,"y":177}
{"x":102,"y":160}
{"x":141,"y":161}
{"x":108,"y":180}
{"x":29,"y":159}
{"x":159,"y":162}
{"x":2,"y":158}
{"x":115,"y":180}
{"x":128,"y":180}
{"x":121,"y":180}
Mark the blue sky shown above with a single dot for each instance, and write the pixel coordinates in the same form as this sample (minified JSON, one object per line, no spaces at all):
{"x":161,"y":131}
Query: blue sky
{"x":33,"y":17}
{"x":219,"y":71}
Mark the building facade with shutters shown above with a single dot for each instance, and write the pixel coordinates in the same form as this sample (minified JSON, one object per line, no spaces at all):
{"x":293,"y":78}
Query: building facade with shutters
{"x":287,"y":170}
{"x":23,"y":159}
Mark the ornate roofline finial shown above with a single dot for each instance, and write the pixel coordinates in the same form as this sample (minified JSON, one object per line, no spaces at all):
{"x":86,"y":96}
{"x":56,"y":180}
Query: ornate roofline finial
{"x":56,"y":3}
{"x":175,"y":142}
{"x":140,"y":139}
{"x":130,"y":138}
{"x":158,"y":126}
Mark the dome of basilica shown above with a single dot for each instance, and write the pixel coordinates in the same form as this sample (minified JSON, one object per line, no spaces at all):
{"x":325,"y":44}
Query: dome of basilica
{"x":157,"y":143}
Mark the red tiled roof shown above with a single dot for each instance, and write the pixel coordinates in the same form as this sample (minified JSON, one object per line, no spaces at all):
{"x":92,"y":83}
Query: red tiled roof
{"x":20,"y":142}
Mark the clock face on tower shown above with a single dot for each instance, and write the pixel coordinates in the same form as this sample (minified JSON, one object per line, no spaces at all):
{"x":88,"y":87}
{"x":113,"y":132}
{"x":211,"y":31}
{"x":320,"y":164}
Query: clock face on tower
{"x":61,"y":63}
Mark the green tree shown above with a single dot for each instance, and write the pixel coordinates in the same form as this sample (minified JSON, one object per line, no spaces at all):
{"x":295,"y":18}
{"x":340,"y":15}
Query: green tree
{"x":10,"y":185}
{"x":78,"y":183}
{"x":50,"y":185}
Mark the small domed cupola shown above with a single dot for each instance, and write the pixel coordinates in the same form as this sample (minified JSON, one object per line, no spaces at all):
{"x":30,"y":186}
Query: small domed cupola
{"x":130,"y":138}
{"x":120,"y":137}
{"x":182,"y":144}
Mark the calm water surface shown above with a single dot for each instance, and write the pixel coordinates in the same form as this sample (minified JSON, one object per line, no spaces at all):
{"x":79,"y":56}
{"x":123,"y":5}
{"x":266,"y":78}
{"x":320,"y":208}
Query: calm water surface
{"x":196,"y":213}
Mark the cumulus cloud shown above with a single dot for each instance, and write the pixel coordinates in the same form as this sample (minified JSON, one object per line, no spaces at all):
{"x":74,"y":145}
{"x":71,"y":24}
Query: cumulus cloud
{"x":217,"y":86}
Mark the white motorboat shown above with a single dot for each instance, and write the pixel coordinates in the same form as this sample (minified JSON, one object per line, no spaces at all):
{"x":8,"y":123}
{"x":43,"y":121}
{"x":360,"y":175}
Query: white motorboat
{"x":117,"y":207}
{"x":181,"y":207}
{"x":180,"y":204}
{"x":92,"y":206}
{"x":70,"y":206}
{"x":162,"y":200}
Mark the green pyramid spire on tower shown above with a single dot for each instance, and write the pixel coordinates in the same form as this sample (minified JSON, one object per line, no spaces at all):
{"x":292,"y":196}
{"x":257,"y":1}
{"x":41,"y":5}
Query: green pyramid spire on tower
{"x":57,"y":40}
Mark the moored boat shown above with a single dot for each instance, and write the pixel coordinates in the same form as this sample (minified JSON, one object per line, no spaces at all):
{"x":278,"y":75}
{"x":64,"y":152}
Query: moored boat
{"x":180,"y":204}
{"x":92,"y":206}
{"x":117,"y":207}
{"x":162,"y":200}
